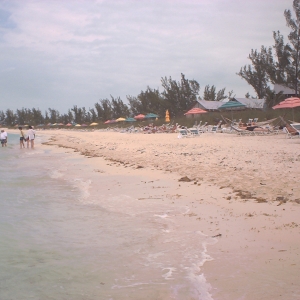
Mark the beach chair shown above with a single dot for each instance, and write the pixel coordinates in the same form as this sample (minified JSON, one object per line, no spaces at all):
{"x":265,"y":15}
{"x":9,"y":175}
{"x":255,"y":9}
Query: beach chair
{"x":213,"y":129}
{"x":240,"y":131}
{"x":194,"y":131}
{"x":296,"y":127}
{"x":202,"y":128}
{"x":292,"y":131}
{"x":183,"y":133}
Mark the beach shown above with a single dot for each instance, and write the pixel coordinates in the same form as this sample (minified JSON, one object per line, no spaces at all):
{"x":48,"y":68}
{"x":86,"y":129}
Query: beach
{"x":241,"y":192}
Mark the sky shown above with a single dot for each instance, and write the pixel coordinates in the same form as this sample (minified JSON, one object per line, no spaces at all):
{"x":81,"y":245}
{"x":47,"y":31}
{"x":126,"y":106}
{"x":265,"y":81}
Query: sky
{"x":57,"y":54}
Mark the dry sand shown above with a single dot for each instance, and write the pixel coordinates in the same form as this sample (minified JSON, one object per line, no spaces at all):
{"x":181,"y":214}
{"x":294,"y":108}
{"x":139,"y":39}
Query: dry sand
{"x":242,"y":189}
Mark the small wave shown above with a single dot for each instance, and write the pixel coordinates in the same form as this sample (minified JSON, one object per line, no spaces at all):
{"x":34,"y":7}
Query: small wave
{"x":84,"y":187}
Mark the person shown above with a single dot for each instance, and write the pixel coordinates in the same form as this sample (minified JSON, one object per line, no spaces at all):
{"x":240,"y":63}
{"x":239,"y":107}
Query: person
{"x":22,"y":138}
{"x":3,"y":137}
{"x":30,"y":137}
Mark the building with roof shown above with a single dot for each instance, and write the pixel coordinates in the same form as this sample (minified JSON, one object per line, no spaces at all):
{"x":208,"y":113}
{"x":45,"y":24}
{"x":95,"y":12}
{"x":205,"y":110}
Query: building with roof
{"x":250,"y":103}
{"x":286,"y":91}
{"x":208,"y":105}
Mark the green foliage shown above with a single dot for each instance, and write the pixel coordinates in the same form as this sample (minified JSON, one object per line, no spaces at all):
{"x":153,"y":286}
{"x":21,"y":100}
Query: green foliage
{"x":179,"y":95}
{"x":210,"y":93}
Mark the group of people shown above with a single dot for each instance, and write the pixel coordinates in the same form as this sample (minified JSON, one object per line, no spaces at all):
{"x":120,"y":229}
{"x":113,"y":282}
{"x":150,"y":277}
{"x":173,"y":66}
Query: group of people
{"x":29,"y":138}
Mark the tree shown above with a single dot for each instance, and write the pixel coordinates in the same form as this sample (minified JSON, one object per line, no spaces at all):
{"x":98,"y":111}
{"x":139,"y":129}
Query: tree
{"x":257,"y":75}
{"x":179,"y":95}
{"x":293,"y":71}
{"x":104,"y":109}
{"x":119,"y":108}
{"x":54,"y":115}
{"x":210,"y":93}
{"x":10,"y":118}
{"x":147,"y":101}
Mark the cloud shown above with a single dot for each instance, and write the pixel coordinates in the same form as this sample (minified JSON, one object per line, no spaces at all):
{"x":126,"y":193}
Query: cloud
{"x":64,"y":53}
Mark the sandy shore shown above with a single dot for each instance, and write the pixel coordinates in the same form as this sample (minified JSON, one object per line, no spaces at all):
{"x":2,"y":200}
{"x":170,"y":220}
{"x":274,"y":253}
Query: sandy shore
{"x":243,"y":190}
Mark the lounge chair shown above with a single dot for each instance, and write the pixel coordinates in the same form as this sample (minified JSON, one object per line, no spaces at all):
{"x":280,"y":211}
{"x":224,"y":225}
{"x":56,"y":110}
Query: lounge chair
{"x":291,"y":131}
{"x":240,"y":131}
{"x":183,"y":133}
{"x":296,"y":127}
{"x":194,"y":131}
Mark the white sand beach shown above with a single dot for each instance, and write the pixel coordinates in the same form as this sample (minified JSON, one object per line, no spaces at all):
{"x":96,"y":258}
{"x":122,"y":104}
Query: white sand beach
{"x":242,"y":190}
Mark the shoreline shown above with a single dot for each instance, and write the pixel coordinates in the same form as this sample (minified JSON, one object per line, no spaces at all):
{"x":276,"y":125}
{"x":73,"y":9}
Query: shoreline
{"x":253,"y":215}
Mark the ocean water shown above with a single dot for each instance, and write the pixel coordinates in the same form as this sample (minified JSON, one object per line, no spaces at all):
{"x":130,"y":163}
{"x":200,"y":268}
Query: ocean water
{"x":70,"y":232}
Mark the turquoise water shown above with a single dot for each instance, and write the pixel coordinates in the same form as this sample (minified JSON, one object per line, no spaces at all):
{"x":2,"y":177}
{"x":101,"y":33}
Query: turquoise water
{"x":64,"y":235}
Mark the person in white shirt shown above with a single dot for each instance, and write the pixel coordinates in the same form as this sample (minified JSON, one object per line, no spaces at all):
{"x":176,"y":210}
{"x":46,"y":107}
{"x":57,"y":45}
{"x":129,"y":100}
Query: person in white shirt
{"x":30,"y":136}
{"x":3,"y":137}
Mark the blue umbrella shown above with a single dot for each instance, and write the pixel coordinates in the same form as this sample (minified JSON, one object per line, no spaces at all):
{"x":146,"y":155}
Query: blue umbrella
{"x":130,"y":120}
{"x":151,"y":115}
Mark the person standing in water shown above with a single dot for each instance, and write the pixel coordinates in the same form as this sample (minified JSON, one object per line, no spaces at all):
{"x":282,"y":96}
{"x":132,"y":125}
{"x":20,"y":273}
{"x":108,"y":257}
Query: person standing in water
{"x":3,"y":137}
{"x":22,"y":138}
{"x":30,"y":137}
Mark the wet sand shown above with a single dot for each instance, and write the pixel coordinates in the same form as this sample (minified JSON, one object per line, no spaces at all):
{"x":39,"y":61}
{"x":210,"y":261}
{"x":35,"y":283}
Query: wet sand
{"x":242,"y":190}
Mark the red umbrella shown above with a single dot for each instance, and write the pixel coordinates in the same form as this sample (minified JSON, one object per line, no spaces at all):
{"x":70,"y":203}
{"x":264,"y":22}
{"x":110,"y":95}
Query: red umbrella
{"x":288,"y":103}
{"x":140,"y":117}
{"x":195,"y":111}
{"x":107,"y":122}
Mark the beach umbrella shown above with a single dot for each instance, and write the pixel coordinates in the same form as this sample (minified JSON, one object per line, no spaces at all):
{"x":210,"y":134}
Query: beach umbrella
{"x":288,"y":103}
{"x":69,"y":124}
{"x":93,"y":124}
{"x":151,"y":115}
{"x":77,"y":125}
{"x":130,"y":120}
{"x":195,"y":111}
{"x":84,"y":125}
{"x":107,"y":122}
{"x":120,"y":119}
{"x":167,"y":118}
{"x":140,"y":117}
{"x":232,"y":105}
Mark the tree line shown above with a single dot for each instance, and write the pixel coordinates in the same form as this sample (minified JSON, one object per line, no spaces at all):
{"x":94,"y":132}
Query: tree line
{"x":177,"y":97}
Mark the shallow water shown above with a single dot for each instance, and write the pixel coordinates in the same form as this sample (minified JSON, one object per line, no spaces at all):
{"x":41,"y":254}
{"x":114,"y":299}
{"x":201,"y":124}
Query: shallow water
{"x":69,"y":233}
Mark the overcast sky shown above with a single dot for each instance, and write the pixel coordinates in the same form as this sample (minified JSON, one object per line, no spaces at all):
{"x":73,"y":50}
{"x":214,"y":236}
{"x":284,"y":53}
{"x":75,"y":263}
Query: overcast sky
{"x":60,"y":53}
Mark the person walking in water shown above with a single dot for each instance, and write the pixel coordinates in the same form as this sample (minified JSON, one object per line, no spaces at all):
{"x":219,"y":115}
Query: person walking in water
{"x":3,"y":137}
{"x":22,"y":138}
{"x":30,"y":137}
